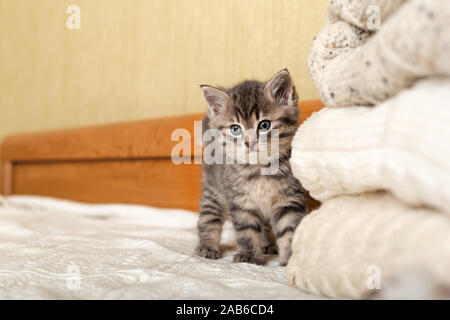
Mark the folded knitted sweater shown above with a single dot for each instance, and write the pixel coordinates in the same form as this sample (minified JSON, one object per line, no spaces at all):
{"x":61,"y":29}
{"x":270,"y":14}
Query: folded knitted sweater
{"x":402,"y":145}
{"x":353,"y":64}
{"x":353,"y":245}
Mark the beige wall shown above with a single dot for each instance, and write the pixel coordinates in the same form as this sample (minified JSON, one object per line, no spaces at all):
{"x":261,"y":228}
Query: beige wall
{"x":136,"y":59}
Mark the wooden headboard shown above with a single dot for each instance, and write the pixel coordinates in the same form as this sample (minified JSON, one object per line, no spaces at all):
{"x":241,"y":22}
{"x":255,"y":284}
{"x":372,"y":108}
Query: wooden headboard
{"x":118,"y":163}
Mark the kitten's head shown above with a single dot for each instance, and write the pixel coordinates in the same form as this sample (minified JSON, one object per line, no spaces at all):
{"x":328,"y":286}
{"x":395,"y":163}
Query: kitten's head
{"x":250,"y":113}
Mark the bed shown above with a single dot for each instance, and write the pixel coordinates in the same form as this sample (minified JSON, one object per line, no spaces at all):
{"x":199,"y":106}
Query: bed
{"x":103,"y":213}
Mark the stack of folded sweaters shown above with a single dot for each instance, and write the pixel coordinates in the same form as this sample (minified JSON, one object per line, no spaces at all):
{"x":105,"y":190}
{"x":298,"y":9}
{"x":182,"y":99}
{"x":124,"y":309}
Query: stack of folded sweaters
{"x":378,"y":155}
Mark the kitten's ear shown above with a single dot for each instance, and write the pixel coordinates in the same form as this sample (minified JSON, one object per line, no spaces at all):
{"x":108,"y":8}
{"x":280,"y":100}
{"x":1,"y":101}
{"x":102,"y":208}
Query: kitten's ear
{"x":217,"y":99}
{"x":280,"y":88}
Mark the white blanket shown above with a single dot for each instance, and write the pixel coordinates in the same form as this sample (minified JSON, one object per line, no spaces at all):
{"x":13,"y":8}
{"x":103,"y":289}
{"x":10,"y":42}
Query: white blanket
{"x":54,"y":249}
{"x":402,"y":145}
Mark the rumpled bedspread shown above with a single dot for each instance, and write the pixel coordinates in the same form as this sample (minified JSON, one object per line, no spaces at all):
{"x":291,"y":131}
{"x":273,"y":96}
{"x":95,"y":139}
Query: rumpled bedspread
{"x":55,"y":249}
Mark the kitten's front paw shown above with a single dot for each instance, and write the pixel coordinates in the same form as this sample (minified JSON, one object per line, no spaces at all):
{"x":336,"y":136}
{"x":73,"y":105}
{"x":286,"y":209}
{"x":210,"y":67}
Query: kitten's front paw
{"x":284,"y":259}
{"x":207,"y":252}
{"x":245,"y":257}
{"x":283,"y":263}
{"x":270,"y":249}
{"x":285,"y":255}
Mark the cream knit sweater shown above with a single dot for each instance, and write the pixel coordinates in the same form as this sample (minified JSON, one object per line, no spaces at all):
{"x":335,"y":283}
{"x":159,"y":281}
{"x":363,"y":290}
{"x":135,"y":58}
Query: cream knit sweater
{"x":402,"y":146}
{"x":339,"y":247}
{"x":352,"y":65}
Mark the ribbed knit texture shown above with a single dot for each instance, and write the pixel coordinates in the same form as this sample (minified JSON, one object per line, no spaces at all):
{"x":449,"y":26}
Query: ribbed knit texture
{"x":402,"y":145}
{"x":336,"y":245}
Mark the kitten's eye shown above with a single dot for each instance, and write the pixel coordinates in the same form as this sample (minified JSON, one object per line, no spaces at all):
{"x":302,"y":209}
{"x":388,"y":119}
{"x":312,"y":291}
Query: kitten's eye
{"x":235,"y":130}
{"x":264,"y":126}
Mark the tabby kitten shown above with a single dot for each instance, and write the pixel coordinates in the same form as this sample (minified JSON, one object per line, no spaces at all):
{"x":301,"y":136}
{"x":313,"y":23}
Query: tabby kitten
{"x":256,"y":203}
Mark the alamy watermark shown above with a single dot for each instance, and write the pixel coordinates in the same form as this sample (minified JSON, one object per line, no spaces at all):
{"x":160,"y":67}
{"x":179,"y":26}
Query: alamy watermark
{"x":373,"y":21}
{"x":73,"y":274}
{"x":373,"y":281}
{"x":250,"y":147}
{"x":73,"y":22}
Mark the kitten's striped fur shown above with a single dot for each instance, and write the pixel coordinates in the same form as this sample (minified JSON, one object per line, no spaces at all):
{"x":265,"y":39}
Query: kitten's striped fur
{"x":256,"y":204}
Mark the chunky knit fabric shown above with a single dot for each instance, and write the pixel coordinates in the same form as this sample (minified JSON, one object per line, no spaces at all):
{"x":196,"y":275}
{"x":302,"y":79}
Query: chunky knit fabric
{"x":340,"y":246}
{"x":352,"y":65}
{"x":400,"y":144}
